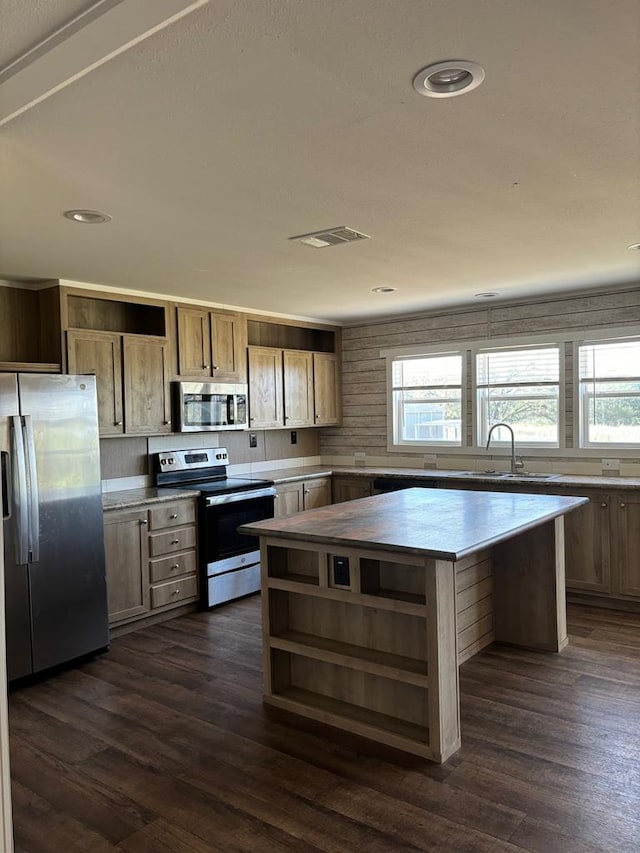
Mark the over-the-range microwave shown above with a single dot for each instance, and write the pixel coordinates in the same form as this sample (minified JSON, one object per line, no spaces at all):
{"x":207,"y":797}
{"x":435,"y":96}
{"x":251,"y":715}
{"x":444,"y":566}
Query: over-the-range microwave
{"x":203,"y":406}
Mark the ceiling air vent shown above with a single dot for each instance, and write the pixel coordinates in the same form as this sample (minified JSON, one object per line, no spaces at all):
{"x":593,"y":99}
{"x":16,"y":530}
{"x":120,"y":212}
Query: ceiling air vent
{"x":331,"y":237}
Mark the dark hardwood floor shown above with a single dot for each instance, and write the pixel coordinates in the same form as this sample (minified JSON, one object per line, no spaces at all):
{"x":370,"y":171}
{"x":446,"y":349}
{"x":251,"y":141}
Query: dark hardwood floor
{"x":163,"y":745}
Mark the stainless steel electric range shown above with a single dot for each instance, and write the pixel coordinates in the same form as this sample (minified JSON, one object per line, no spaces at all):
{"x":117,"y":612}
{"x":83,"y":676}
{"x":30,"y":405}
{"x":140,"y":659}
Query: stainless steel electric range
{"x":229,"y":563}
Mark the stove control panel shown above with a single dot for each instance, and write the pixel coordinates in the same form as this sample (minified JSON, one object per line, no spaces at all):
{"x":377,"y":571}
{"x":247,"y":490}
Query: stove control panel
{"x":192,"y":460}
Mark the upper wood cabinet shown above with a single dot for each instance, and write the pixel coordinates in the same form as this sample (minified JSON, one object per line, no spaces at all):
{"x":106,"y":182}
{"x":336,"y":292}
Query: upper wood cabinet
{"x":211,"y":344}
{"x":292,"y":388}
{"x":132,"y":380}
{"x":326,"y":388}
{"x":100,"y":353}
{"x":297,"y":368}
{"x":147,"y":405}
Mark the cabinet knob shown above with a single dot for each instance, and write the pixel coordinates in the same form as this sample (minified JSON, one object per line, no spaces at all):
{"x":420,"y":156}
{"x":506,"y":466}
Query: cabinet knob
{"x":306,"y":491}
{"x":622,"y":506}
{"x":176,"y":592}
{"x":215,"y":367}
{"x":167,"y":423}
{"x":205,"y":367}
{"x":173,"y":515}
{"x":175,"y":541}
{"x":175,"y":566}
{"x":143,"y":521}
{"x":603,"y":504}
{"x":118,"y":423}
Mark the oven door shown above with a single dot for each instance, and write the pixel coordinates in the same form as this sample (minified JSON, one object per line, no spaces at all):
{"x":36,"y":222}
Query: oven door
{"x":224,"y":514}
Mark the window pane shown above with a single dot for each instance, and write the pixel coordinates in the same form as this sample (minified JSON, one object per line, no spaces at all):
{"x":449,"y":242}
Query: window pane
{"x":604,"y":361}
{"x":533,"y":419}
{"x":436,"y":370}
{"x":614,"y":420}
{"x":438,"y":422}
{"x":530,"y":365}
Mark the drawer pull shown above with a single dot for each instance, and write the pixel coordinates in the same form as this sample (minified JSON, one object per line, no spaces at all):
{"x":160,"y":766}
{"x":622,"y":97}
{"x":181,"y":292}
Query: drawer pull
{"x":175,"y":541}
{"x":173,"y":515}
{"x":176,"y":592}
{"x":175,"y":566}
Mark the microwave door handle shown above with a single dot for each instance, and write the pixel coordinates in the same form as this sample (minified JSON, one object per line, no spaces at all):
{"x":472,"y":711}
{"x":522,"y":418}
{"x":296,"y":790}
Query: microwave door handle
{"x":231,"y":409}
{"x":34,"y":498}
{"x":19,"y":478}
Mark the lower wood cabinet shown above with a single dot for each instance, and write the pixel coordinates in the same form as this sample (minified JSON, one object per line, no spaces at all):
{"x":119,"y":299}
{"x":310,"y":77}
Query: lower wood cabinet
{"x":298,"y":496}
{"x":625,"y":542}
{"x":151,"y":561}
{"x":351,"y":488}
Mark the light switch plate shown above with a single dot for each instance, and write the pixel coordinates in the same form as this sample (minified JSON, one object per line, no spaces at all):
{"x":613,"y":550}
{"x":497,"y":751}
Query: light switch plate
{"x":611,"y":465}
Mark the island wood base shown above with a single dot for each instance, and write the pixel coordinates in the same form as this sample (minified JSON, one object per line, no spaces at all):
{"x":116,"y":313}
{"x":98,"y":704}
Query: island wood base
{"x":370,"y":641}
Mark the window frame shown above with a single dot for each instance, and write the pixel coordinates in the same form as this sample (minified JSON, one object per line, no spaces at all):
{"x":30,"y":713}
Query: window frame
{"x":479,"y":439}
{"x":395,"y":427}
{"x":581,"y":423}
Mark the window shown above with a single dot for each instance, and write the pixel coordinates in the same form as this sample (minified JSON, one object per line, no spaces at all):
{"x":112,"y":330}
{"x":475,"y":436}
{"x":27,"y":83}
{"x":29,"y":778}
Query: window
{"x":520,"y":386}
{"x":427,"y":399}
{"x":609,"y":376}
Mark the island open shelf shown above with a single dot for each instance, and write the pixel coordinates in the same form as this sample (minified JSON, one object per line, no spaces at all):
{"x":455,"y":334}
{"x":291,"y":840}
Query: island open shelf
{"x":370,"y":607}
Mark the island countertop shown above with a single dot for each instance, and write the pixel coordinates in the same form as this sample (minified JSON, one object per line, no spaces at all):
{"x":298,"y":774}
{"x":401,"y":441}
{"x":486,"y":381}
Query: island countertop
{"x":445,"y":525}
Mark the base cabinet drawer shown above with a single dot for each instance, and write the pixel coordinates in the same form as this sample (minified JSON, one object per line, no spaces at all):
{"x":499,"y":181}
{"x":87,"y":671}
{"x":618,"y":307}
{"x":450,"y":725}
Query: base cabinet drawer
{"x":174,"y":540}
{"x":166,"y":568}
{"x":172,"y":515}
{"x":178,"y":590}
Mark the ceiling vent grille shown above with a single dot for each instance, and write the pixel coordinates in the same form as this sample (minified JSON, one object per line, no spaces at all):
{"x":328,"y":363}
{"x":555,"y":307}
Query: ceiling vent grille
{"x":330,"y":237}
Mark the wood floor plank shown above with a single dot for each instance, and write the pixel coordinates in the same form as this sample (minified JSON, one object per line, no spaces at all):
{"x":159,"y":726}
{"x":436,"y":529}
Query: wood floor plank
{"x":163,"y":745}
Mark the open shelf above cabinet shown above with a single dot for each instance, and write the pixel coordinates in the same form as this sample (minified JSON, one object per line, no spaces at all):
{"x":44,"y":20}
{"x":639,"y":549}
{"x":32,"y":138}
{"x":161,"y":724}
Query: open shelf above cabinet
{"x":286,"y":336}
{"x":111,"y":315}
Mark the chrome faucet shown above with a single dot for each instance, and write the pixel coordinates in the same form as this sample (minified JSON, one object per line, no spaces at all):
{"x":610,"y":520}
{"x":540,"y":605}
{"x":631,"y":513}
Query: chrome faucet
{"x":515,"y":463}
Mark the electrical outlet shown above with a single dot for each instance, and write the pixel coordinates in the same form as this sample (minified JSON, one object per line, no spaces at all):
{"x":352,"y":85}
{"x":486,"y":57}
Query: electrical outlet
{"x":359,"y":458}
{"x":429,"y":460}
{"x":253,"y":439}
{"x":611,"y":465}
{"x":294,"y":437}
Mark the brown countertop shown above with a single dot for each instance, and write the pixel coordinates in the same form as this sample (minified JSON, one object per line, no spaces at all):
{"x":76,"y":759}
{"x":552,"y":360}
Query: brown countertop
{"x":136,"y":497}
{"x":443,"y":524}
{"x":285,"y":475}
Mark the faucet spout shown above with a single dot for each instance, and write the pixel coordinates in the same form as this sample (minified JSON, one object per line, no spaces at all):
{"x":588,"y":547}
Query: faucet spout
{"x":515,"y":464}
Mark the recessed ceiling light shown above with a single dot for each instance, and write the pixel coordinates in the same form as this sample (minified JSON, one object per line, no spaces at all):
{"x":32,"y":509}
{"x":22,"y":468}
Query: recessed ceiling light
{"x":634,"y":247}
{"x":88,"y":217}
{"x":487,"y":294}
{"x":448,"y":79}
{"x":383,"y":289}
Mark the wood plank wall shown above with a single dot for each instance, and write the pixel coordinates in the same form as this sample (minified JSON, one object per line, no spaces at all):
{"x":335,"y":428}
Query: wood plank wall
{"x":364,"y":425}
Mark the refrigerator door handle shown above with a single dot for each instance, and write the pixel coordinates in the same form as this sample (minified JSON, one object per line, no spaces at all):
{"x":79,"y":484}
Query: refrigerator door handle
{"x":5,"y":485}
{"x":19,"y":470}
{"x":34,"y":498}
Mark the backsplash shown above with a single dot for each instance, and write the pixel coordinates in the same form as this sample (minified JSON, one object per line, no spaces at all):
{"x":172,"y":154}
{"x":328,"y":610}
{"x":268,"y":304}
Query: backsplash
{"x":125,"y":461}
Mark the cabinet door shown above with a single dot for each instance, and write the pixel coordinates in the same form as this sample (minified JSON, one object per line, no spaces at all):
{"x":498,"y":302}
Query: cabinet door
{"x":289,"y":499}
{"x":228,"y":345}
{"x":586,"y":534}
{"x":298,"y":388}
{"x":326,"y":388}
{"x":194,"y":342}
{"x":626,"y":542}
{"x":350,"y":488}
{"x":265,"y":387}
{"x":100,"y":353}
{"x":127,"y":568}
{"x":146,"y":385}
{"x":317,"y":493}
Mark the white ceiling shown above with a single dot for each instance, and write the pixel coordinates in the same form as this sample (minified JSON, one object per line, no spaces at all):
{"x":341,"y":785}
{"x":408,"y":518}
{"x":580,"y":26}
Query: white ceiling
{"x":248,"y":121}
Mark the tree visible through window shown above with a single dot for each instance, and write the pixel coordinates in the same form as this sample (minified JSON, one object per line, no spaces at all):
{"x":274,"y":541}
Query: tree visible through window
{"x":520,"y":387}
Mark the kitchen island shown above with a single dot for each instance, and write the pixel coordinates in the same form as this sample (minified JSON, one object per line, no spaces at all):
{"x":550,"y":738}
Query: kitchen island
{"x":369,"y":607}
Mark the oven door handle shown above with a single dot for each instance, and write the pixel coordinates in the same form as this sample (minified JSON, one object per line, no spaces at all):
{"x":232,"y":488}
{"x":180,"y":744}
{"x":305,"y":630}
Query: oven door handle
{"x":233,"y":497}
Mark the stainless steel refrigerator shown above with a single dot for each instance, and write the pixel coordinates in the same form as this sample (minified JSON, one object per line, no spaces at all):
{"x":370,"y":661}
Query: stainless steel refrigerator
{"x":56,"y":600}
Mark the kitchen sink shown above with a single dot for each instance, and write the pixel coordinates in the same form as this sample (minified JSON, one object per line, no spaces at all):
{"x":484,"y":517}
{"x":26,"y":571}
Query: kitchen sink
{"x":505,"y":475}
